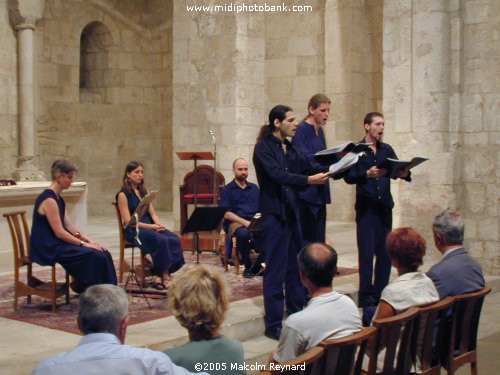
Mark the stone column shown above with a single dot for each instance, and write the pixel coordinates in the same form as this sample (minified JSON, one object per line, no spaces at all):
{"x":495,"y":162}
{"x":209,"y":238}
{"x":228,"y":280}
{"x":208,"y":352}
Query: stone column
{"x":23,"y":15}
{"x":416,"y":94}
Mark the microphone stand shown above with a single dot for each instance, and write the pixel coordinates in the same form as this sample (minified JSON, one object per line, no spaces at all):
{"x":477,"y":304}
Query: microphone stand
{"x":215,"y":181}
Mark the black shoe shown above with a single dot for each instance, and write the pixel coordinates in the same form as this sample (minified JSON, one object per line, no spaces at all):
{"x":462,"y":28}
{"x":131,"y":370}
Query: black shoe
{"x":248,"y":274}
{"x":258,"y":271}
{"x":273,"y":333}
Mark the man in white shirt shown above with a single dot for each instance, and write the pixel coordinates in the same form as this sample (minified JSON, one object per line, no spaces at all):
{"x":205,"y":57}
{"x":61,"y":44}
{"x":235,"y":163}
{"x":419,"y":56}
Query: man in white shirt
{"x":103,"y":318}
{"x":328,"y":314}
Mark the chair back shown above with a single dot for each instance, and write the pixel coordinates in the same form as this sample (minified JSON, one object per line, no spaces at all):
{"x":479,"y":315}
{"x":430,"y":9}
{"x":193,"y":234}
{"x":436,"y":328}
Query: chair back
{"x":432,"y":328}
{"x":20,"y":234}
{"x":205,"y":181}
{"x":340,"y":354}
{"x":394,"y":334}
{"x":464,"y":326}
{"x":308,"y":363}
{"x":120,"y":223}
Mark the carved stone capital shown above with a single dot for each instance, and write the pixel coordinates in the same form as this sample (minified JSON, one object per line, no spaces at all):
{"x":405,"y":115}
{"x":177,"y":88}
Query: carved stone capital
{"x":23,"y":14}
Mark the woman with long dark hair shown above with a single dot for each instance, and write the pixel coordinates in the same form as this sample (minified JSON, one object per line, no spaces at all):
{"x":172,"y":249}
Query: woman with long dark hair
{"x":281,"y":172}
{"x":154,"y":238}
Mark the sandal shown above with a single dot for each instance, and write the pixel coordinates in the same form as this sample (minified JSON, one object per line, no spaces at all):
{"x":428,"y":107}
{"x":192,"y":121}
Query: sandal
{"x":158,"y":284}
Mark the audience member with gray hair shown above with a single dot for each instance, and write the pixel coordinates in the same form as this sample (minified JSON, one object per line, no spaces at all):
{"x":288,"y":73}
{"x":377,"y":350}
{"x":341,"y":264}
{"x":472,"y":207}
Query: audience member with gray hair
{"x":457,"y":272}
{"x":103,"y":319}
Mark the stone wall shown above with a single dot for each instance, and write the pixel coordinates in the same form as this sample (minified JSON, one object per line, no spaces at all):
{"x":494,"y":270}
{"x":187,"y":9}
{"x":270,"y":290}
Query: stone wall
{"x":353,"y":80}
{"x":440,"y":94}
{"x":131,"y":122}
{"x":8,"y":95}
{"x":218,"y":60}
{"x":475,"y":52}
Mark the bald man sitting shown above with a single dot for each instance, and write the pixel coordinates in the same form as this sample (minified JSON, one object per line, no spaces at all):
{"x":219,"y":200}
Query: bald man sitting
{"x":328,"y":314}
{"x":241,"y":198}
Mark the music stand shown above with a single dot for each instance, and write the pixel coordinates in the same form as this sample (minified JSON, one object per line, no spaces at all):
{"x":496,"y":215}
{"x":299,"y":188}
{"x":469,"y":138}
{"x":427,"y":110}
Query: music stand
{"x":203,"y":219}
{"x":133,"y":223}
{"x":195,"y":156}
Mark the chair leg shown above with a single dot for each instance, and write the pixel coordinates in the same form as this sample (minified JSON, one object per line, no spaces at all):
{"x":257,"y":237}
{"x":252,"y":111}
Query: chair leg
{"x":236,"y":259}
{"x":67,"y":288}
{"x":15,"y":301}
{"x":473,"y":368}
{"x":143,"y":271}
{"x":122,"y":260}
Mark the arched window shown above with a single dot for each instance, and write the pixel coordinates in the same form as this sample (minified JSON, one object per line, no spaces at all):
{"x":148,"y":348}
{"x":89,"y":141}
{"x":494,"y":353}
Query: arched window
{"x":95,"y":45}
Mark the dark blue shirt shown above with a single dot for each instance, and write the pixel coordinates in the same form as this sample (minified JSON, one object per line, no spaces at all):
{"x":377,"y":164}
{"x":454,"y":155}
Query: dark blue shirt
{"x":372,"y":193}
{"x":280,"y":176}
{"x":241,"y":202}
{"x":308,"y":142}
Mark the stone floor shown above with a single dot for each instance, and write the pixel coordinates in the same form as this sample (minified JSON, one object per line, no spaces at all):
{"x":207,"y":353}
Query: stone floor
{"x":23,"y":345}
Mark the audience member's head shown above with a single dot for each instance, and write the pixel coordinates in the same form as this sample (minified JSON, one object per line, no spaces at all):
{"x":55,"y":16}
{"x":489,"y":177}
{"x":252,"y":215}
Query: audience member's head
{"x":103,"y":309}
{"x":318,"y":264}
{"x":200,"y":300}
{"x":406,"y":248}
{"x":62,"y":167}
{"x":448,"y":229}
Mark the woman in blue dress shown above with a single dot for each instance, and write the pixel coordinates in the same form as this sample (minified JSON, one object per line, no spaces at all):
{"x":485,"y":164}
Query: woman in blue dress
{"x":163,"y":246}
{"x":55,"y":239}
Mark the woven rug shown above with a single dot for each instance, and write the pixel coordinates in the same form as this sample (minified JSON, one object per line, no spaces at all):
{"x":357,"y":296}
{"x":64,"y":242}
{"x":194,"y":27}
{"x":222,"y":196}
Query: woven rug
{"x":39,"y":312}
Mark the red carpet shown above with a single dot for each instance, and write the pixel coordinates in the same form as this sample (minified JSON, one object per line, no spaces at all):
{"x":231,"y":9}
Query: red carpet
{"x":39,"y":312}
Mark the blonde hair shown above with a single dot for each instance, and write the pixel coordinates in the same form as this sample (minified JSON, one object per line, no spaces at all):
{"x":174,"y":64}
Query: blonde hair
{"x":199,"y":298}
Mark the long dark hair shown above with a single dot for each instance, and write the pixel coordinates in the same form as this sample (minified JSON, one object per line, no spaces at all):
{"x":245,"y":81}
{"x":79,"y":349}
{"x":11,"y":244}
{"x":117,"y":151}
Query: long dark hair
{"x":126,"y":181}
{"x":277,"y":113}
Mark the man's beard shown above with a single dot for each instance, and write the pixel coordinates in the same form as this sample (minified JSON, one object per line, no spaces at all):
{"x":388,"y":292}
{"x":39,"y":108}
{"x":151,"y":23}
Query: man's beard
{"x":241,"y":179}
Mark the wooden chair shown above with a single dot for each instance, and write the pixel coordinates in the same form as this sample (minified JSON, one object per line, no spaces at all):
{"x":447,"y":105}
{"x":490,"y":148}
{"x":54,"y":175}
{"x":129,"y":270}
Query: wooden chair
{"x":33,"y":286}
{"x":124,"y":244}
{"x":342,"y":354}
{"x":311,"y":359}
{"x":432,"y":327}
{"x":462,"y":347}
{"x":394,"y":334}
{"x":205,"y":190}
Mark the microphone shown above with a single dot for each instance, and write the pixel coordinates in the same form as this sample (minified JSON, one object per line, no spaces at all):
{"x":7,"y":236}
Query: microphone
{"x":212,"y":134}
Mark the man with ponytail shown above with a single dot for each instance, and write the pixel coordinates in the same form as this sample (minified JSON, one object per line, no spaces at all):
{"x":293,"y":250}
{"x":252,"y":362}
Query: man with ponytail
{"x":281,"y":172}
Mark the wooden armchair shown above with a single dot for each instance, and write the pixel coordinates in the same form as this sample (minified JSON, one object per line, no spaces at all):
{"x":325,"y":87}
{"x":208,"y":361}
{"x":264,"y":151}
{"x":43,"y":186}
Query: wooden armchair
{"x":124,"y":244}
{"x":431,"y":334}
{"x":311,"y":359}
{"x":33,"y":286}
{"x":394,"y":335}
{"x":205,"y":190}
{"x":462,"y":346}
{"x":343,"y":353}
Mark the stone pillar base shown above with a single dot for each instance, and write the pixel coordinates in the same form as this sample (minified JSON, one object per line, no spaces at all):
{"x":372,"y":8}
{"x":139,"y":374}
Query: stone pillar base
{"x":28,"y":171}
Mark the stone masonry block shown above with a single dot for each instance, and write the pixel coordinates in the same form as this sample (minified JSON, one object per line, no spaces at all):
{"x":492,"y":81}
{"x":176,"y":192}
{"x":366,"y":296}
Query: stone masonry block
{"x":47,"y":74}
{"x":310,"y":65}
{"x":473,"y":113}
{"x":476,"y":12}
{"x":305,"y":45}
{"x":304,"y":87}
{"x":281,"y":67}
{"x":112,"y":78}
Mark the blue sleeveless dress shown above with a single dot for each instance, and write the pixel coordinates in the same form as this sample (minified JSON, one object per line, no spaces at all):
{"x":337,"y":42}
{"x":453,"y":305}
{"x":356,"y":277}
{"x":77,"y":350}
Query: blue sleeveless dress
{"x":164,"y":247}
{"x":87,"y":266}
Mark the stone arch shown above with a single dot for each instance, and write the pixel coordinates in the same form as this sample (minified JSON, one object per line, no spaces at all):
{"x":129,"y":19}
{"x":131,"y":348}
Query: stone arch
{"x":96,"y":75}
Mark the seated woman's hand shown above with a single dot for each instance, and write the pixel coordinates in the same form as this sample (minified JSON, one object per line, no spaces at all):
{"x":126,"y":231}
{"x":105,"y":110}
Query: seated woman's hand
{"x":157,"y":227}
{"x":94,"y":245}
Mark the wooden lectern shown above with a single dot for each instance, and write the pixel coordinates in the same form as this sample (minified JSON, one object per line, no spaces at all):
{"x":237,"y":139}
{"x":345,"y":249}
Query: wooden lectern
{"x":204,"y":198}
